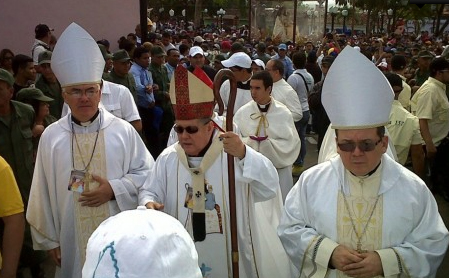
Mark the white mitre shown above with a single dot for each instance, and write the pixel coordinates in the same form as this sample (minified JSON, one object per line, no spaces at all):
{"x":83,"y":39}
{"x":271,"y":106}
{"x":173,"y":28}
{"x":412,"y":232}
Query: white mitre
{"x":356,"y":95}
{"x":76,"y":58}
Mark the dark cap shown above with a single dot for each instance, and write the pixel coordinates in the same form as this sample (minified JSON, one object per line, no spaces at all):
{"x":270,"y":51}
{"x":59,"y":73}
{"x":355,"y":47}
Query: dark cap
{"x":32,"y":93}
{"x":104,"y":42}
{"x":425,"y":54}
{"x":7,"y":77}
{"x":44,"y":57}
{"x":104,"y":52}
{"x":121,"y":56}
{"x":41,"y":30}
{"x":219,"y":58}
{"x":328,"y":60}
{"x":398,"y":62}
{"x":157,"y":51}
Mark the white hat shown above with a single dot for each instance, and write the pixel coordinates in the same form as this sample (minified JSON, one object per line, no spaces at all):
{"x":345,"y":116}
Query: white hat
{"x":76,"y":58}
{"x":357,"y":48}
{"x":141,"y":243}
{"x":195,"y":50}
{"x":198,"y":39}
{"x":239,"y":59}
{"x":355,"y":93}
{"x":259,"y":62}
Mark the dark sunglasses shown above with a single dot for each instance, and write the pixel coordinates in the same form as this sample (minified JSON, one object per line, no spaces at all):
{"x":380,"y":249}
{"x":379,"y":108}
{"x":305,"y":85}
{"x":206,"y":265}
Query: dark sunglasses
{"x":364,"y":146}
{"x":189,"y":129}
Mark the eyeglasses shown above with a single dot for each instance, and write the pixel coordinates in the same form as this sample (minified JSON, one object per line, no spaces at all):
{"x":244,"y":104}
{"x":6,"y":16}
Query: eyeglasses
{"x":75,"y":93}
{"x":364,"y":146}
{"x":446,"y":70}
{"x":191,"y":129}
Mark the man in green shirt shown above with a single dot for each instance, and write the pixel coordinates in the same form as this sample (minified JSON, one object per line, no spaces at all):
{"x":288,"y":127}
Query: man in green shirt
{"x":16,"y":147}
{"x":160,"y":78}
{"x":120,"y":74}
{"x":49,"y":84}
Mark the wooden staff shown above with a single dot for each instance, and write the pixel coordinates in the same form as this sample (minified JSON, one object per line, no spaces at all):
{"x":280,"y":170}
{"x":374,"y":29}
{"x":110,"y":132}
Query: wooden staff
{"x":231,"y":170}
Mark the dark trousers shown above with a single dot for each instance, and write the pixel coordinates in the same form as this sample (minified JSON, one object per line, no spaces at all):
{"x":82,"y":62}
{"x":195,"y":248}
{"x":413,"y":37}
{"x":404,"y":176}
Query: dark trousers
{"x":440,"y":168}
{"x":301,"y":127}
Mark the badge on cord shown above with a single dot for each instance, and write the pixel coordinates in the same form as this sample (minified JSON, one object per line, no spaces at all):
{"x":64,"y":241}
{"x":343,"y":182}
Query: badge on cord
{"x":76,"y":182}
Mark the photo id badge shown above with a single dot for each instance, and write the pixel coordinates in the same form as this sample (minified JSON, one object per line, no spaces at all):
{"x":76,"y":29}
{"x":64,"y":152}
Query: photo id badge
{"x":188,"y":203}
{"x":76,"y":182}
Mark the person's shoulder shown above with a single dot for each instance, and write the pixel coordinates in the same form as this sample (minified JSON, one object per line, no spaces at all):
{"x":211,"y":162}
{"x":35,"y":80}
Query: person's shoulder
{"x":22,"y":108}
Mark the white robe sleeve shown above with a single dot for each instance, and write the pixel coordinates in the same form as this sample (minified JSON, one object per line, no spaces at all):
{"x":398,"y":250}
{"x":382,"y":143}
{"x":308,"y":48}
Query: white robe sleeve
{"x":256,"y":170}
{"x":309,"y":251}
{"x":127,"y":187}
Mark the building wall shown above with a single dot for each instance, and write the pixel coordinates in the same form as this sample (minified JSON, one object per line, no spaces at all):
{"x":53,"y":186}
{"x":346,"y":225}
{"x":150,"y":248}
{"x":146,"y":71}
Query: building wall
{"x":103,"y":19}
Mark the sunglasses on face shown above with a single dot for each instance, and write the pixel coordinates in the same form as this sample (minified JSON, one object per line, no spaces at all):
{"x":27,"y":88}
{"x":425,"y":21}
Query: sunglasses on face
{"x":189,"y":129}
{"x":364,"y":146}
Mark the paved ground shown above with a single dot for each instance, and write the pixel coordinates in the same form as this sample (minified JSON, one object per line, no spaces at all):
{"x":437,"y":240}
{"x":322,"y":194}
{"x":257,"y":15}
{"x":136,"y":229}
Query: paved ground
{"x":311,"y":160}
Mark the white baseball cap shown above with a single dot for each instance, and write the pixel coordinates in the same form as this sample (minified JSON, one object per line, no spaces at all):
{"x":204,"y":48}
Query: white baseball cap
{"x":141,"y":243}
{"x":195,"y":50}
{"x":259,"y":62}
{"x":239,"y":59}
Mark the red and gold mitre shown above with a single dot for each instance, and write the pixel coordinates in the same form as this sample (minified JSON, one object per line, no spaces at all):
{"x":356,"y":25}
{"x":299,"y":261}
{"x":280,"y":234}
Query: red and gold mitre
{"x":191,"y":97}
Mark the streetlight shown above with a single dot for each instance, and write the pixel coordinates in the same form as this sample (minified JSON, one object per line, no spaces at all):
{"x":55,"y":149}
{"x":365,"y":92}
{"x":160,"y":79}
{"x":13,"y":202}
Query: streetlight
{"x":433,"y":8}
{"x":344,"y":13}
{"x":221,"y":13}
{"x":390,"y":15}
{"x":202,"y":16}
{"x":334,"y":11}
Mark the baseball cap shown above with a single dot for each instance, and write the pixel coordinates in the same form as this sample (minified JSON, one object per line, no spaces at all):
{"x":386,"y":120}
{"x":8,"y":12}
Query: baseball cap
{"x":225,"y":45}
{"x":157,"y":51}
{"x":425,"y":54}
{"x":44,"y":57}
{"x":121,"y":56}
{"x":41,"y":30}
{"x":141,"y":243}
{"x":194,"y":50}
{"x":7,"y":77}
{"x":104,"y":52}
{"x":282,"y":46}
{"x":198,"y":39}
{"x":219,"y":58}
{"x":328,"y":60}
{"x":32,"y":93}
{"x":259,"y":62}
{"x":239,"y":59}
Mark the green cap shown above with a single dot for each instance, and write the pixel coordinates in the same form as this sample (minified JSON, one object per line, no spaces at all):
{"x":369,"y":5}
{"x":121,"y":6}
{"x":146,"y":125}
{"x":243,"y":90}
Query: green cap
{"x":157,"y":51}
{"x":121,"y":56}
{"x":104,"y":52}
{"x":425,"y":54}
{"x":219,"y":58}
{"x":7,"y":77}
{"x":44,"y":57}
{"x":32,"y":93}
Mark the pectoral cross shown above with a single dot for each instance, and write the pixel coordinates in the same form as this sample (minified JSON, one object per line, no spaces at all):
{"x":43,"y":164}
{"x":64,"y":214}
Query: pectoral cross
{"x":359,"y":248}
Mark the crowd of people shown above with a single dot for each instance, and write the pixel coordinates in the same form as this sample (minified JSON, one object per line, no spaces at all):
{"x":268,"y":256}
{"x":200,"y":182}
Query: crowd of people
{"x":88,"y":133}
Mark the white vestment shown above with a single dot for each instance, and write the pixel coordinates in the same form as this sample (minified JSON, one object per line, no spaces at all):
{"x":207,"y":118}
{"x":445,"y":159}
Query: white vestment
{"x":285,"y":94}
{"x":243,"y":96}
{"x":117,"y":100}
{"x":413,"y":237}
{"x":257,"y":206}
{"x":282,"y":144}
{"x":51,"y":206}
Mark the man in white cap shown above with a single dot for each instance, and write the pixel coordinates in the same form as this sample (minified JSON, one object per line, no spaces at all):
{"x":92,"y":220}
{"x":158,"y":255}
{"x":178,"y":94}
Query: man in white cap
{"x":190,"y":182}
{"x":141,"y":243}
{"x":240,"y":64}
{"x":90,"y":164}
{"x":361,"y":214}
{"x":197,"y":60}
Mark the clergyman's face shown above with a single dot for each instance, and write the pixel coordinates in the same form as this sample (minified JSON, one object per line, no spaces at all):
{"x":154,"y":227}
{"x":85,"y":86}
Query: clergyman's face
{"x":83,"y":100}
{"x":194,"y":143}
{"x":259,"y":93}
{"x":361,"y":162}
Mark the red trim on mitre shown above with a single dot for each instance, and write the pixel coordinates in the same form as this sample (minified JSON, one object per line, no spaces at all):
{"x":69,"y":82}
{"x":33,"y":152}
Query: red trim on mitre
{"x":198,"y":72}
{"x":183,"y":109}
